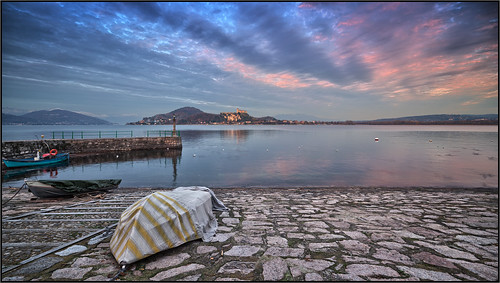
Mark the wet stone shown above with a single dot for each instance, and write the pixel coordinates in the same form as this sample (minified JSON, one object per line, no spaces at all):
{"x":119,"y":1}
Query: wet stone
{"x":355,"y":246}
{"x":386,"y":237}
{"x":107,"y":270}
{"x":355,"y":235}
{"x":477,"y":240}
{"x":447,"y":251}
{"x":300,"y":236}
{"x":371,"y":270}
{"x":244,"y":251}
{"x":340,"y":225}
{"x":274,"y":269}
{"x":231,"y":221}
{"x":330,"y":237}
{"x":392,"y":255}
{"x":176,"y":271}
{"x":222,"y":237}
{"x":316,"y":224}
{"x":310,"y":265}
{"x":70,"y":273}
{"x":284,"y":252}
{"x":251,"y":224}
{"x":191,"y":278}
{"x":424,"y":274}
{"x":167,"y":261}
{"x":85,"y":261}
{"x":322,"y":246}
{"x":288,"y":228}
{"x":479,"y":250}
{"x":487,"y":272}
{"x":313,"y":277}
{"x":434,"y":260}
{"x":408,"y":234}
{"x":477,"y":232}
{"x":277,"y":241}
{"x":205,"y":249}
{"x":238,"y":267}
{"x":97,"y":278}
{"x":317,"y":230}
{"x":247,"y":239}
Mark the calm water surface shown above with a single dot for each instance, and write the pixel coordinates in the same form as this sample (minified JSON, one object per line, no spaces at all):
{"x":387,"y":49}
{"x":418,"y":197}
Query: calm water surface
{"x":288,"y":156}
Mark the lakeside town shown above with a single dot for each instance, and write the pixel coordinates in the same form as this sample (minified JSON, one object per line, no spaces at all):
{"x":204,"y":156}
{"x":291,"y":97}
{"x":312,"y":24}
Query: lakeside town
{"x":191,"y":115}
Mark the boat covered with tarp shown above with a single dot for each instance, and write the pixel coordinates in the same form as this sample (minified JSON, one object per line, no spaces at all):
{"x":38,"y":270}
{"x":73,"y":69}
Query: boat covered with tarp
{"x":164,"y":220}
{"x":64,"y":188}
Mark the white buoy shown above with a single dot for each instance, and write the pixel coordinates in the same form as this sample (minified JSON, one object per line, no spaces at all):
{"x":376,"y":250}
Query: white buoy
{"x":194,"y":154}
{"x":376,"y":139}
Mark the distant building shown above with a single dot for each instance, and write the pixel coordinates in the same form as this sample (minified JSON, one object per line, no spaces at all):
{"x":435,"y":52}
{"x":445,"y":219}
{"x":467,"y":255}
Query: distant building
{"x":232,"y":117}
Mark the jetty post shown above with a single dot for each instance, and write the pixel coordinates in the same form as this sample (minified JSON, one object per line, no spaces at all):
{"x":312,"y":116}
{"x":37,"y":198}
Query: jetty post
{"x":174,"y":132}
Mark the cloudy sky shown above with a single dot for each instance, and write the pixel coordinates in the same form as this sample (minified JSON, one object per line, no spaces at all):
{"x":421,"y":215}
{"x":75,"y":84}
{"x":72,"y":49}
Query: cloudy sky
{"x":335,"y":61}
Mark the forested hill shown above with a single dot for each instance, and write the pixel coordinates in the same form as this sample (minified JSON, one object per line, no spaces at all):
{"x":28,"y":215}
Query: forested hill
{"x":52,"y":117}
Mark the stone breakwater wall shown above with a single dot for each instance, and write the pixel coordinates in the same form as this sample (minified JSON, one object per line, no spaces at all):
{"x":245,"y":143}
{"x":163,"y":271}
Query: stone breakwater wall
{"x":19,"y":149}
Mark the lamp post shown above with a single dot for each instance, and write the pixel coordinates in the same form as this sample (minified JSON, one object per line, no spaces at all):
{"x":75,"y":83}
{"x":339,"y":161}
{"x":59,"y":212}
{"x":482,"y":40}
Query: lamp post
{"x":174,"y":132}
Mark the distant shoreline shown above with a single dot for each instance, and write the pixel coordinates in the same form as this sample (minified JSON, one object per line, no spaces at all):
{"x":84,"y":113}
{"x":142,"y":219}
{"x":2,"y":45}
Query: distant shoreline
{"x":373,"y":189}
{"x":397,"y":123}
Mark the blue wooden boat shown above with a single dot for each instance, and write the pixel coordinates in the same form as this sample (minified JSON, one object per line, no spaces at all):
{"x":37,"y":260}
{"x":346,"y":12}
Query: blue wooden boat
{"x":33,"y":161}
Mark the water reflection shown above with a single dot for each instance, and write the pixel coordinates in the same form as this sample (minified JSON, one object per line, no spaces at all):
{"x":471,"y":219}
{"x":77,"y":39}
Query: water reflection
{"x":240,"y":136}
{"x":82,"y":160}
{"x":51,"y":171}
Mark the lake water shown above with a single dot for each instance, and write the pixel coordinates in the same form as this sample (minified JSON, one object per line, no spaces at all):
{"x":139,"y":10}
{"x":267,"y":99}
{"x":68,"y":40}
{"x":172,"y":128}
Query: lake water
{"x":288,"y":156}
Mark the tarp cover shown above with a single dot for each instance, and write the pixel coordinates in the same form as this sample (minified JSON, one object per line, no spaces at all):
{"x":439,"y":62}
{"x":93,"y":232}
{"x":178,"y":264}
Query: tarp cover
{"x":164,"y":220}
{"x":81,"y":186}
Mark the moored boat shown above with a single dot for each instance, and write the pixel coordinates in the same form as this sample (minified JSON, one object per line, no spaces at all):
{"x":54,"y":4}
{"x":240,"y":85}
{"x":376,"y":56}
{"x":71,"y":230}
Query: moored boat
{"x":64,"y":188}
{"x":36,"y":161}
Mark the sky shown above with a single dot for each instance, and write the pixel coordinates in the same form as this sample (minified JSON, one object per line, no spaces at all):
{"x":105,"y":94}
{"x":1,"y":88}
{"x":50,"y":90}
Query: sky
{"x":333,"y":61}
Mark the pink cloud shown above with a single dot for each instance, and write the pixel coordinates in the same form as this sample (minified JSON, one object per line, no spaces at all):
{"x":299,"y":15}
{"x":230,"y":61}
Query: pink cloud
{"x":281,"y":80}
{"x":432,"y":27}
{"x":352,"y":22}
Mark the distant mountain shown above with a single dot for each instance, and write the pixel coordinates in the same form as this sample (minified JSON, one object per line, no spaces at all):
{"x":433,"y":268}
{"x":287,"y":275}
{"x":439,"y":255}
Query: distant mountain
{"x":9,"y":119}
{"x":191,"y":115}
{"x":440,"y":118}
{"x":52,"y":117}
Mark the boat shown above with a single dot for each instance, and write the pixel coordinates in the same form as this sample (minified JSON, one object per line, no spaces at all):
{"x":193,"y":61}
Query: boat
{"x":36,"y":161}
{"x":164,"y":220}
{"x":65,"y":188}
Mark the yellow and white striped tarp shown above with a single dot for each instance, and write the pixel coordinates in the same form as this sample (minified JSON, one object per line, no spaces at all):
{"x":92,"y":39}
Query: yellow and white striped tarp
{"x":163,"y":220}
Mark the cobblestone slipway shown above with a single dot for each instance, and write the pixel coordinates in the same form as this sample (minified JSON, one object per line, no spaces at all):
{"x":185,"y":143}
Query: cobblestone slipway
{"x":313,"y":234}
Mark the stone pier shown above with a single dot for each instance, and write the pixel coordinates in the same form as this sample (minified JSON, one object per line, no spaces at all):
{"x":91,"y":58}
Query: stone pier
{"x":19,"y":149}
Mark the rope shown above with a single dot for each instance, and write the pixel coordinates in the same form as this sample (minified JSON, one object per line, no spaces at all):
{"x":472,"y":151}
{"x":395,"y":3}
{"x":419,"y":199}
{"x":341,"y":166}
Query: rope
{"x":120,"y":272}
{"x":15,"y":194}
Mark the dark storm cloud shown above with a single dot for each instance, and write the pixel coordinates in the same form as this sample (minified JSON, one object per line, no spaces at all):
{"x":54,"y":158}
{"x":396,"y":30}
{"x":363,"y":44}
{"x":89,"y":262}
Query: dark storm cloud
{"x":289,"y":50}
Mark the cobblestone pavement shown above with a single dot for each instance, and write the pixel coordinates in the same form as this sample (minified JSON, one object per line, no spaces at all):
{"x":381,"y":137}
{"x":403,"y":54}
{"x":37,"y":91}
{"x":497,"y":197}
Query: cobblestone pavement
{"x":321,"y":234}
